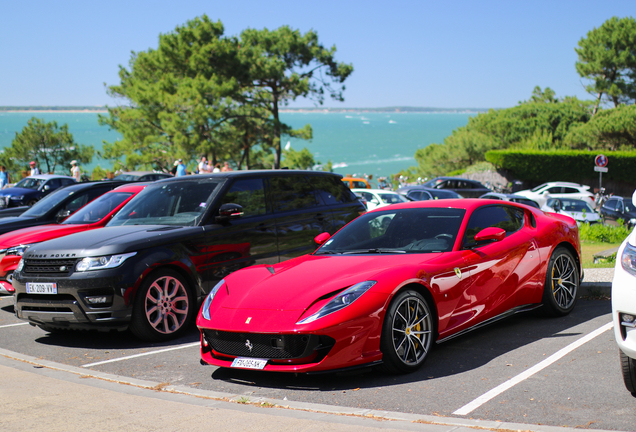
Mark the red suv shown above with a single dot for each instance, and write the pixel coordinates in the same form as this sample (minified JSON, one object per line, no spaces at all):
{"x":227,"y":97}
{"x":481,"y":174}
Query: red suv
{"x":93,"y":215}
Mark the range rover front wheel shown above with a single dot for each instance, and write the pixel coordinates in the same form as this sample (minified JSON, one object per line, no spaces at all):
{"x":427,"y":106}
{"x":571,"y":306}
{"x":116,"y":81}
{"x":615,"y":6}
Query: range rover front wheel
{"x":163,"y":307}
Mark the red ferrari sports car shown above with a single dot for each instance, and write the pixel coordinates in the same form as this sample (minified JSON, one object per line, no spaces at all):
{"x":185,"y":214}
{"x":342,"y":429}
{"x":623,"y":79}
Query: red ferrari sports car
{"x":93,"y":215}
{"x":389,"y":284}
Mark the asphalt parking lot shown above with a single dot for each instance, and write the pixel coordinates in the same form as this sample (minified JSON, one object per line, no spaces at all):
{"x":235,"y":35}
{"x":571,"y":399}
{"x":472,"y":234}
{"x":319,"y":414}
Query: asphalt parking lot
{"x":527,"y":369}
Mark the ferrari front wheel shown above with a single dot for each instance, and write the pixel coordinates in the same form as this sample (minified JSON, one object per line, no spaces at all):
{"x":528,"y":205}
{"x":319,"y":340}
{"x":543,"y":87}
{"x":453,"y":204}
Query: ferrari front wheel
{"x":561,"y":283}
{"x":407,"y":333}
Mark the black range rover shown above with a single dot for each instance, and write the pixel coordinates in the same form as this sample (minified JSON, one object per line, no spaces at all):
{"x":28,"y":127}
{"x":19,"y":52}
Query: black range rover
{"x":149,"y":268}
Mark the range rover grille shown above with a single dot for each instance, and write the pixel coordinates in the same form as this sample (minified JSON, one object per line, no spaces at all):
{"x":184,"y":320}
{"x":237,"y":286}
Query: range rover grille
{"x":49,"y":266}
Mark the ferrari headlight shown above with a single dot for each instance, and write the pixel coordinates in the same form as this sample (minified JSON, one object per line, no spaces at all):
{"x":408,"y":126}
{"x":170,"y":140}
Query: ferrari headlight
{"x":205,"y":310}
{"x":17,"y":250}
{"x":103,"y":262}
{"x":341,"y":301}
{"x":628,"y":259}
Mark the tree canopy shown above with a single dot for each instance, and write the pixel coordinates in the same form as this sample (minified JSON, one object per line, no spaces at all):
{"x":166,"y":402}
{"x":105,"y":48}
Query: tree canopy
{"x":607,"y":58}
{"x":203,"y":93}
{"x":47,"y":144}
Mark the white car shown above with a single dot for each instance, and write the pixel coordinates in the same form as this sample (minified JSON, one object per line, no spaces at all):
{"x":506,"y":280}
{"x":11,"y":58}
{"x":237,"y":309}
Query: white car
{"x":577,"y":209}
{"x":624,"y":307}
{"x":541,"y":193}
{"x":379,"y":197}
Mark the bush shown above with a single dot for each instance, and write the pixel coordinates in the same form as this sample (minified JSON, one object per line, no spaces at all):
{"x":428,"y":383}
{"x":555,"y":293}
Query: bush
{"x":603,"y":233}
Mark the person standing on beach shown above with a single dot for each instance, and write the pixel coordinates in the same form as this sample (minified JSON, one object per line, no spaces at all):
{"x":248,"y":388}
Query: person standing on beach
{"x":203,"y":165}
{"x":4,"y":177}
{"x":75,"y":171}
{"x":181,"y":169}
{"x":34,"y":169}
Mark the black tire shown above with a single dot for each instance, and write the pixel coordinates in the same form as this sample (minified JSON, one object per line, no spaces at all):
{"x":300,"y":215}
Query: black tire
{"x":628,"y":366}
{"x":561,"y":283}
{"x":31,"y":202}
{"x":163,"y":308}
{"x":407,"y":333}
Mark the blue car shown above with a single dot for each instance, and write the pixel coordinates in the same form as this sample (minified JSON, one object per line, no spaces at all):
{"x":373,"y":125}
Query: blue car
{"x":31,"y":189}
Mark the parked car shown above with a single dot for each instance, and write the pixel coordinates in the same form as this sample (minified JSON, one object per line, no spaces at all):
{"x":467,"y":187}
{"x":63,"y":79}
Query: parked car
{"x":379,"y":197}
{"x":465,"y":187}
{"x":93,"y":215}
{"x":510,"y":197}
{"x":423,"y":193}
{"x":541,"y":193}
{"x":30,"y":189}
{"x":58,"y":205}
{"x":618,"y":208}
{"x":355,"y":182}
{"x":578,"y":210}
{"x":142,"y":176}
{"x":390,"y":284}
{"x":624,"y":307}
{"x":165,"y":249}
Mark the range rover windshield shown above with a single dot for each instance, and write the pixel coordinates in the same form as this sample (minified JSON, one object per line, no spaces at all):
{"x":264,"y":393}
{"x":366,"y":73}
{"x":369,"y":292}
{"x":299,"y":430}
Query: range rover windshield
{"x":172,"y":203}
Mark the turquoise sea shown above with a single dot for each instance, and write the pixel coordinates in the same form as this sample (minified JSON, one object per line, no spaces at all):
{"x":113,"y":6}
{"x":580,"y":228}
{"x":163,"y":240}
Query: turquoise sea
{"x":356,"y":143}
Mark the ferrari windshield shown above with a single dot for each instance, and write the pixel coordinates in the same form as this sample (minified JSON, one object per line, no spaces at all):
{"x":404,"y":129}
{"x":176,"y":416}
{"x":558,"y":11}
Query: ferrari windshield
{"x":98,"y":208}
{"x":414,"y":230}
{"x":173,"y":203}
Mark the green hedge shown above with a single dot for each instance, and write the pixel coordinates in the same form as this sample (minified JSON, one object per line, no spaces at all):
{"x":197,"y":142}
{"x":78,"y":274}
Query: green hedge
{"x":563,"y":165}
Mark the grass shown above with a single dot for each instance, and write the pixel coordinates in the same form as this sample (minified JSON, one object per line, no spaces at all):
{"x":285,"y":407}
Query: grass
{"x":590,"y":248}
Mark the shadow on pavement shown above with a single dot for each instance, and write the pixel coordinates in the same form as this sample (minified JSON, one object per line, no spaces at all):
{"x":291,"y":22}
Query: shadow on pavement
{"x":456,"y":356}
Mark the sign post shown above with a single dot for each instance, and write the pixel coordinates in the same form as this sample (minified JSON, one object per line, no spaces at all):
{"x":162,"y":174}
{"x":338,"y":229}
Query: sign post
{"x":601,"y":166}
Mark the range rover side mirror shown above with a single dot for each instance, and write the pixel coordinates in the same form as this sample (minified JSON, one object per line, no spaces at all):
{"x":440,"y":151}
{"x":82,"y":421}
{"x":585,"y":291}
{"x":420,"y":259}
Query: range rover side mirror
{"x":229,"y":211}
{"x":557,"y":206}
{"x":61,"y":215}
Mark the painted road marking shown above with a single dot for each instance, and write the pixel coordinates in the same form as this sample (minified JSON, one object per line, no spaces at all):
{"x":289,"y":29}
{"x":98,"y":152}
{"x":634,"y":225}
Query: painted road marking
{"x":142,"y":354}
{"x":470,"y":407}
{"x":13,"y":325}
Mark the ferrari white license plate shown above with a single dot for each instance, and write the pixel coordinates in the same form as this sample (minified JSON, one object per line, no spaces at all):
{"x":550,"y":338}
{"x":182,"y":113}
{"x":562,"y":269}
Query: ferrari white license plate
{"x":249,"y":363}
{"x":41,"y":288}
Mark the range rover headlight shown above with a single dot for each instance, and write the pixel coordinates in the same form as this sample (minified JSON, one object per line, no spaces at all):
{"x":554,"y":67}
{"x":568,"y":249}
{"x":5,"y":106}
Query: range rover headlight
{"x":17,"y":250}
{"x":20,"y":265}
{"x":17,"y":197}
{"x":205,"y":310}
{"x":628,"y":259}
{"x":340,"y":301}
{"x":103,"y":262}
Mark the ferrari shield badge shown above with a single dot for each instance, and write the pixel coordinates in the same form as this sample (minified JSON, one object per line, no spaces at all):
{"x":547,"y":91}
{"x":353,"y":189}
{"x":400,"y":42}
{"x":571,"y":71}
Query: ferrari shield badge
{"x":458,"y":272}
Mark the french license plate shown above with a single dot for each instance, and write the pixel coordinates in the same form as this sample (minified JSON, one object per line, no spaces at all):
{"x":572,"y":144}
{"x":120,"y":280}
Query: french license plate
{"x":249,"y":363}
{"x":41,"y":288}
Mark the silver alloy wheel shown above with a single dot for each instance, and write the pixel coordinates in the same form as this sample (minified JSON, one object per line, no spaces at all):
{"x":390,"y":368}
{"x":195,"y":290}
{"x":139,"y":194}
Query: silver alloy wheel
{"x":564,"y":281}
{"x":166,"y":305}
{"x":411,"y":330}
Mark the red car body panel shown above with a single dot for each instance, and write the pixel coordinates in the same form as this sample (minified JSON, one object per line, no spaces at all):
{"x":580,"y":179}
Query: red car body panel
{"x":41,"y":233}
{"x":467,"y":288}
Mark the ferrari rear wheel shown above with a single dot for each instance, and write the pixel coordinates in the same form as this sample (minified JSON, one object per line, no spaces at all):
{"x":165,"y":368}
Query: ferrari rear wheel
{"x":561,"y":283}
{"x":407,"y":333}
{"x":628,"y":365}
{"x":163,"y":307}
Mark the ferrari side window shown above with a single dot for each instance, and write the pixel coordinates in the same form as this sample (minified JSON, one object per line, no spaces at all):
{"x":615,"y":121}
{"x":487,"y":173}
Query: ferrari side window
{"x":509,"y":218}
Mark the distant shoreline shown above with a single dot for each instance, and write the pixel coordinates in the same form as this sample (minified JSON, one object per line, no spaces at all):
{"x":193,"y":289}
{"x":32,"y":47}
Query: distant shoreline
{"x":77,"y":110}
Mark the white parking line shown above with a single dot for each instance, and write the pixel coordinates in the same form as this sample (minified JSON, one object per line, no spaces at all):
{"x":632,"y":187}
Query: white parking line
{"x":13,"y":325}
{"x":142,"y":354}
{"x":468,"y":408}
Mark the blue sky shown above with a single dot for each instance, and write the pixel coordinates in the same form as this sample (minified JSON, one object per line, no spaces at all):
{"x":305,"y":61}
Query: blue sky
{"x":446,"y":54}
